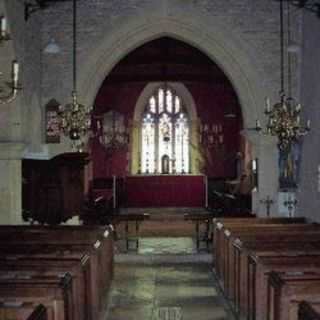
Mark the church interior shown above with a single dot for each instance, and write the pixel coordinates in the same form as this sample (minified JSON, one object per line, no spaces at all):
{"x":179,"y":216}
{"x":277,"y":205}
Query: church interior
{"x":157,"y":160}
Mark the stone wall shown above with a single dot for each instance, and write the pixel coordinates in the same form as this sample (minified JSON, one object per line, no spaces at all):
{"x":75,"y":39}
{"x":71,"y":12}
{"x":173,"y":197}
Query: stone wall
{"x":241,"y":36}
{"x":255,"y":25}
{"x":309,"y":196}
{"x":20,"y":120}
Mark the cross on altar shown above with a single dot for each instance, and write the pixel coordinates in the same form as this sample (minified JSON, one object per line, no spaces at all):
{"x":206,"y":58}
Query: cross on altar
{"x":267,"y":202}
{"x":290,"y":204}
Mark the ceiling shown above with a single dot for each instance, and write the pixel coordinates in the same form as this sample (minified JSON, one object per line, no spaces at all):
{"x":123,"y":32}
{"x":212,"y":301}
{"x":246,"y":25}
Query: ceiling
{"x":166,"y":59}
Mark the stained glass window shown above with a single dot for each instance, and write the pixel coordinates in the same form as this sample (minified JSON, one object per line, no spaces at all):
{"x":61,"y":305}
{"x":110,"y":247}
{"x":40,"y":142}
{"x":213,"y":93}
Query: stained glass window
{"x":165,"y":134}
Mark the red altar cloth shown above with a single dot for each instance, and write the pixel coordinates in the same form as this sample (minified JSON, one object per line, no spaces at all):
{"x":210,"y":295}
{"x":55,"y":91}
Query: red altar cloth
{"x":165,"y":191}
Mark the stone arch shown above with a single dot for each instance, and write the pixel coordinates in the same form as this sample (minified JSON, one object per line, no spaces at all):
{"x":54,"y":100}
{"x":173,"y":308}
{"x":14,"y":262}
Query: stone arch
{"x":178,"y":87}
{"x":238,"y":61}
{"x":215,"y":41}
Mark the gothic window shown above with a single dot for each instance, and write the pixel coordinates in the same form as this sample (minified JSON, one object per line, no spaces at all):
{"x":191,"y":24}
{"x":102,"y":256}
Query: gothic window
{"x":165,"y":133}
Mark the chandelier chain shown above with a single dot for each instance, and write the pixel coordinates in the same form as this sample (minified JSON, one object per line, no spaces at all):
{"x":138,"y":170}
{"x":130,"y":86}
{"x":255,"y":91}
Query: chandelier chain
{"x":281,"y":49}
{"x":74,"y":45}
{"x":288,"y":52}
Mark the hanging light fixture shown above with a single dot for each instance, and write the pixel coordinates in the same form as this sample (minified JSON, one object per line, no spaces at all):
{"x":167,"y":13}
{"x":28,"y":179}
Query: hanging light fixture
{"x":75,"y":117}
{"x":284,"y":116}
{"x":113,"y":133}
{"x":13,"y":84}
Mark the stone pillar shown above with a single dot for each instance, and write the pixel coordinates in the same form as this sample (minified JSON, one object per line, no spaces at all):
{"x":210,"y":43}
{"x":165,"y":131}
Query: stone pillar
{"x":268,"y":176}
{"x":264,"y":148}
{"x":10,"y":182}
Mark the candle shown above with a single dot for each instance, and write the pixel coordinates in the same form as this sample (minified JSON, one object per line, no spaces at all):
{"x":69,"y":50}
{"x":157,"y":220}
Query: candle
{"x":15,"y":72}
{"x":3,"y":26}
{"x":308,"y":124}
{"x":298,"y":107}
{"x":258,"y":126}
{"x":268,"y":108}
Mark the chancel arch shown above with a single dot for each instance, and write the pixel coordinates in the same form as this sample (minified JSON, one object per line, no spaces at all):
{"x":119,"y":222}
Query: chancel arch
{"x":220,"y":44}
{"x":168,"y":109}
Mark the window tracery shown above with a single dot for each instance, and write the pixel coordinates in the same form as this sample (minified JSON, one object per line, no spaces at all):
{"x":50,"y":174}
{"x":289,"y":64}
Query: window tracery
{"x":165,"y":131}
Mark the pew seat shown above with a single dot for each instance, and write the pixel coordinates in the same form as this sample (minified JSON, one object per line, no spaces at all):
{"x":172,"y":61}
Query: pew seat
{"x":287,"y":290}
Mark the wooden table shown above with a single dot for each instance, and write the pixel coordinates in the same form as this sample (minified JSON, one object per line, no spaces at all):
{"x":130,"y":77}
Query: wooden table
{"x":201,"y":218}
{"x":137,"y":218}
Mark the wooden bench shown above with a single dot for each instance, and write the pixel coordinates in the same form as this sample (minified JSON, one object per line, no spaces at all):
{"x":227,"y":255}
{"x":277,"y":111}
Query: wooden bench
{"x":16,"y":310}
{"x":77,"y":268}
{"x":54,"y":292}
{"x":239,"y":250}
{"x":283,"y":244}
{"x":65,"y":243}
{"x":135,"y":218}
{"x":309,"y":311}
{"x":68,"y":243}
{"x":269,"y":230}
{"x":221,"y":224}
{"x":287,"y":290}
{"x":259,"y":269}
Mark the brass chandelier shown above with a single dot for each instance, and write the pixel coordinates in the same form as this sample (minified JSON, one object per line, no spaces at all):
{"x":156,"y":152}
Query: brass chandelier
{"x":7,"y":97}
{"x":284,"y":116}
{"x":75,"y":117}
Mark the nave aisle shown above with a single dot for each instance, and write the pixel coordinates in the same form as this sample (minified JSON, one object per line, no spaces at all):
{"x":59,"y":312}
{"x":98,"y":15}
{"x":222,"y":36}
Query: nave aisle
{"x":155,"y":285}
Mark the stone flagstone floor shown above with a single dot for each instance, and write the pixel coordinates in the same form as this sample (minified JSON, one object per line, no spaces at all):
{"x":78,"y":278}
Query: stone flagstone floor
{"x":167,"y":288}
{"x":165,"y":292}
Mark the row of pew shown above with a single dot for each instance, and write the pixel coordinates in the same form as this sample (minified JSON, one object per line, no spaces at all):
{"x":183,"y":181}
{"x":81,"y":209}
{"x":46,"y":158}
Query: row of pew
{"x":55,"y":272}
{"x":268,"y":268}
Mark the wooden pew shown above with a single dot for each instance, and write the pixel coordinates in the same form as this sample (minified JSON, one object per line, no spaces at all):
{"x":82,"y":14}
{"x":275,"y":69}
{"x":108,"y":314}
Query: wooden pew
{"x":283,"y":244}
{"x":80,"y":235}
{"x":259,"y":269}
{"x":219,"y":225}
{"x":239,"y":249}
{"x":269,"y":230}
{"x":79,"y":269}
{"x":65,"y":241}
{"x":287,"y":290}
{"x":39,"y":313}
{"x":16,"y":310}
{"x":309,"y":311}
{"x":54,"y":292}
{"x":95,"y":289}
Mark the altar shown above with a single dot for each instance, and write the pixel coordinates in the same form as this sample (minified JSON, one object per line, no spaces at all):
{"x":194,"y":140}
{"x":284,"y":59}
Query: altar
{"x":166,"y":190}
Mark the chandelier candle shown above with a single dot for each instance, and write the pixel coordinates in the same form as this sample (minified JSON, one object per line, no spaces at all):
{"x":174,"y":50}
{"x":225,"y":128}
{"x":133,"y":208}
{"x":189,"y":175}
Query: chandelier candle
{"x":3,"y":26}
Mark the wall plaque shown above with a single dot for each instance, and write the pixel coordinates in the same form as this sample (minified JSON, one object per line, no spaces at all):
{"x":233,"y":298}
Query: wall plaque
{"x":52,"y":122}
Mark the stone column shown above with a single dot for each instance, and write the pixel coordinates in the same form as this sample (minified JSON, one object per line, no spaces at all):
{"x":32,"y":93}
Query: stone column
{"x":264,"y":148}
{"x":11,"y":182}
